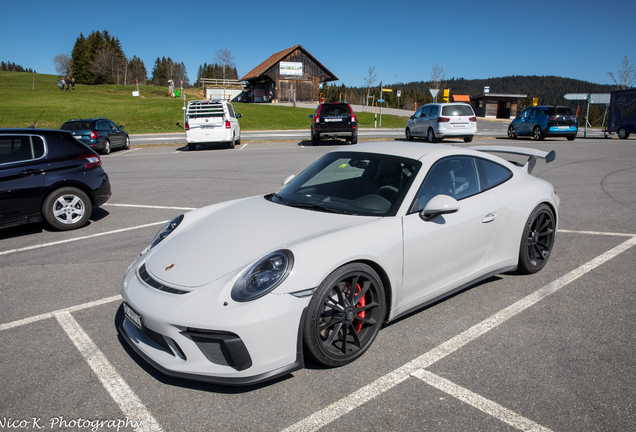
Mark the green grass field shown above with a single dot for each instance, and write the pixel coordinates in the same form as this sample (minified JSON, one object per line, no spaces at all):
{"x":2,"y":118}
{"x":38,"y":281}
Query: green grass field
{"x":23,"y":99}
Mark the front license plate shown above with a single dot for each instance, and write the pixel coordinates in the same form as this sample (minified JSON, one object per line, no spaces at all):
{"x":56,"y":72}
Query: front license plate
{"x":134,"y":317}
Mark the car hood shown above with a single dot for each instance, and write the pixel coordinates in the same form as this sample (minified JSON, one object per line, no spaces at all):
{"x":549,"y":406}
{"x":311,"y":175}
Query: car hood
{"x":222,"y":239}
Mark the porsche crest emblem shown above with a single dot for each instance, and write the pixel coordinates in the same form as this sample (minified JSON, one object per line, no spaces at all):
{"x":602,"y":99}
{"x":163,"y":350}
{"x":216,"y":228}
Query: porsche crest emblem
{"x":169,"y":267}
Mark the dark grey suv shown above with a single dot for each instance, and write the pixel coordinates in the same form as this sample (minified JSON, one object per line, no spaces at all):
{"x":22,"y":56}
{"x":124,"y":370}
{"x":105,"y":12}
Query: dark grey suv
{"x":334,"y":120}
{"x":100,"y":134}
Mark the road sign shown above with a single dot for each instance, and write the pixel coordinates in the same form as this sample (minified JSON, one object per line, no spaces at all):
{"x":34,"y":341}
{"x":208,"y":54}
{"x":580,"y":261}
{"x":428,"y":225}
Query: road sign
{"x":380,"y":100}
{"x":600,"y":98}
{"x":399,"y":93}
{"x":387,"y":90}
{"x":434,"y":92}
{"x":576,"y":96}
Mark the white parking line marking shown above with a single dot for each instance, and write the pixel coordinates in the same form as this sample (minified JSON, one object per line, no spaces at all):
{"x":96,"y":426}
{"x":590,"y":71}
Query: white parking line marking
{"x":80,"y":238}
{"x":114,"y":384}
{"x":244,"y":145}
{"x":597,"y":233}
{"x":356,"y":399}
{"x":48,"y":315}
{"x":150,"y":206}
{"x":123,"y":153}
{"x":489,"y":407}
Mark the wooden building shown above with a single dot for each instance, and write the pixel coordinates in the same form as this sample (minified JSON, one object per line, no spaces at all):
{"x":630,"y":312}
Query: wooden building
{"x":288,"y":75}
{"x":497,"y":105}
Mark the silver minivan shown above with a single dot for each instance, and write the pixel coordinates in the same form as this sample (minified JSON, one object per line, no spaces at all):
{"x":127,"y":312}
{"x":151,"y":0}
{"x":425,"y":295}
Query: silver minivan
{"x":437,"y":121}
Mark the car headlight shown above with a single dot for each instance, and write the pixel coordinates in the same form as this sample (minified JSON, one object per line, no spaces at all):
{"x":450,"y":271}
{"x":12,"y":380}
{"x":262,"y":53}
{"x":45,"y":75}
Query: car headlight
{"x":166,"y":230}
{"x":263,"y":276}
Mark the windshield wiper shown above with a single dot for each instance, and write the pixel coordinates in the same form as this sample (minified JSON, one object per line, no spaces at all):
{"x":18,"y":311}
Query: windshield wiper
{"x":278,"y":197}
{"x":318,"y":207}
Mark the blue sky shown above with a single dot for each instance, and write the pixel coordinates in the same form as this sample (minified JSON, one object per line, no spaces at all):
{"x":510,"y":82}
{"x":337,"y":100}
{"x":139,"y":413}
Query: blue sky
{"x":402,"y":39}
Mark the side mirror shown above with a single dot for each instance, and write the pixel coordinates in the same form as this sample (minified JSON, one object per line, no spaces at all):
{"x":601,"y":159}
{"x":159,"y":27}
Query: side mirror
{"x":239,"y":115}
{"x":311,"y":116}
{"x":439,"y":205}
{"x":121,"y":127}
{"x":288,"y":179}
{"x":412,"y":117}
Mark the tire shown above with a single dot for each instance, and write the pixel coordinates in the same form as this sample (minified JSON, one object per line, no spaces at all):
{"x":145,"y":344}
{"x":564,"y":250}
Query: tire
{"x":127,"y":144}
{"x":468,"y":139}
{"x":572,"y":138}
{"x":623,"y":133}
{"x":537,"y":135}
{"x":341,"y":323}
{"x":430,"y":136}
{"x":238,"y":141}
{"x":315,"y":140}
{"x":537,"y":240}
{"x":192,"y":146}
{"x":512,"y":134}
{"x":409,"y":137}
{"x":354,"y":140}
{"x":67,"y":208}
{"x":232,"y":144}
{"x":106,"y":147}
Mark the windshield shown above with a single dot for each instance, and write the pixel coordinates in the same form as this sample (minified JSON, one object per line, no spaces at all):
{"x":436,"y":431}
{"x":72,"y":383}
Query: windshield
{"x":78,"y":125}
{"x":351,"y":183}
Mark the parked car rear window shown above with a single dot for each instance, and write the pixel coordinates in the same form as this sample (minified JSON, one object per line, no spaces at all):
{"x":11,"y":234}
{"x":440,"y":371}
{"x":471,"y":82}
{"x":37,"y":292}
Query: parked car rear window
{"x":457,"y":110}
{"x":71,"y":126}
{"x":560,"y":111}
{"x":335,"y":111}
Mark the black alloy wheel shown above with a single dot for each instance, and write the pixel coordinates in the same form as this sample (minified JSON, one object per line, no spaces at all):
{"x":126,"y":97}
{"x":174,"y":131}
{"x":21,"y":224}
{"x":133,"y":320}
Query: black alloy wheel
{"x":623,"y":133}
{"x":409,"y":137}
{"x":344,"y":315}
{"x":537,"y":240}
{"x":511,"y":132}
{"x":537,"y":135}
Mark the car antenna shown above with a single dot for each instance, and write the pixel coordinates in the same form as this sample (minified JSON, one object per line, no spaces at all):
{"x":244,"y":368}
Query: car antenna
{"x":36,"y":120}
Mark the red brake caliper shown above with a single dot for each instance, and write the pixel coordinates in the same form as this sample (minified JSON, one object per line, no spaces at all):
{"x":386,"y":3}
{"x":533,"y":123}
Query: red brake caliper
{"x":361,"y":303}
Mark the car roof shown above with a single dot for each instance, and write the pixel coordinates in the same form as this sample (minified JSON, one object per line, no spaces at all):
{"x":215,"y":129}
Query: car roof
{"x":29,"y":130}
{"x":88,"y":119}
{"x":410,"y":150}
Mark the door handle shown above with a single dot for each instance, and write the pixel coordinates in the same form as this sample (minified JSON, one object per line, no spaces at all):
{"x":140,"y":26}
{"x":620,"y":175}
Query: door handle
{"x":489,"y":217}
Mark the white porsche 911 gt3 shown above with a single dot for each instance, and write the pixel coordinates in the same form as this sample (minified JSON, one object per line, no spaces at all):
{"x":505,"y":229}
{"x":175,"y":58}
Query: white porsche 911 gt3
{"x":238,"y":292}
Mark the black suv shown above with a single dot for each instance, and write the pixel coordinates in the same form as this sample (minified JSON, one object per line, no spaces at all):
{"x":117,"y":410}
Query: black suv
{"x":47,"y":174}
{"x":545,"y":121}
{"x":334,"y":120}
{"x":100,"y":134}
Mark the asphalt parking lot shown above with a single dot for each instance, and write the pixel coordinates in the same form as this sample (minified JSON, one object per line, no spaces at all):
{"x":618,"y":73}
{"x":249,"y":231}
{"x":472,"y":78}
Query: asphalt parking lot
{"x":551,"y":351}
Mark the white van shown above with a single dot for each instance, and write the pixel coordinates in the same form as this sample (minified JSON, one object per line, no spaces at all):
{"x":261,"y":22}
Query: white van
{"x":436,"y":121}
{"x":211,"y":121}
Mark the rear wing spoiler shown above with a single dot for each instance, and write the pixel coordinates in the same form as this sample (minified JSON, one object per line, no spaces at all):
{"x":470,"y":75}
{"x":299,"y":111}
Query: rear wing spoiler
{"x":532,"y":154}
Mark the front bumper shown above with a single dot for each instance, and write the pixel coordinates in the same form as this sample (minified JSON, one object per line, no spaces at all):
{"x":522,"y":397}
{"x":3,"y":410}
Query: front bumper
{"x":203,"y":335}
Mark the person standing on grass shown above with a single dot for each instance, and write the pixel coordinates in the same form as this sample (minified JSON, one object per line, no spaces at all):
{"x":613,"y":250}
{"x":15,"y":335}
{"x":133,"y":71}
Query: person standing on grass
{"x":73,"y":83}
{"x":68,"y":83}
{"x":59,"y":83}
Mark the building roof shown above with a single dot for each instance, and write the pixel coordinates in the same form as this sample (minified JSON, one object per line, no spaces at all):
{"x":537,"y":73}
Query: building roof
{"x":279,"y":56}
{"x":461,"y":98}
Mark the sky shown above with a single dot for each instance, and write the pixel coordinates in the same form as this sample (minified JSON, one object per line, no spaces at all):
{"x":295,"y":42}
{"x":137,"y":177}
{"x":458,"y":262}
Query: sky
{"x":402,"y":40}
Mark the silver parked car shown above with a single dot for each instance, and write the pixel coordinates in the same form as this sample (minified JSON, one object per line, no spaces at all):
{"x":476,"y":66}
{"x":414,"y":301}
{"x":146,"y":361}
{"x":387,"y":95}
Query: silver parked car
{"x":436,"y":121}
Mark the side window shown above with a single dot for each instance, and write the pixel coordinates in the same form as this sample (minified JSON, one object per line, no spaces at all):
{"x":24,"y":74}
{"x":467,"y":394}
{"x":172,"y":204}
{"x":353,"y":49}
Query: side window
{"x":20,"y":148}
{"x":418,"y":113}
{"x":525,"y":114}
{"x":112,"y":125}
{"x":533,"y":113}
{"x":434,"y":110}
{"x":101,"y":125}
{"x":230,"y":109}
{"x":492,"y":174}
{"x":426,"y":112}
{"x":454,"y":176}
